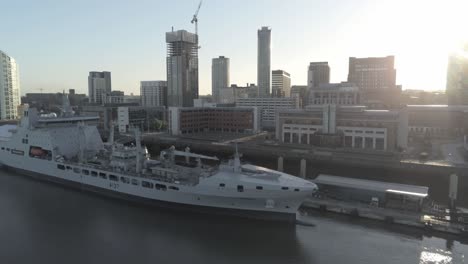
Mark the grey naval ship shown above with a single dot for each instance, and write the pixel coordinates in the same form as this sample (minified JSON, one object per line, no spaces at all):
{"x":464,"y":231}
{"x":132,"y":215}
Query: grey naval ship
{"x":68,"y":149}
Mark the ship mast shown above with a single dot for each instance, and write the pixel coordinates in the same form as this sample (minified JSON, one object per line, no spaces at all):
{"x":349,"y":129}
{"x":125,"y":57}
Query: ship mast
{"x":138,"y":150}
{"x":237,"y":163}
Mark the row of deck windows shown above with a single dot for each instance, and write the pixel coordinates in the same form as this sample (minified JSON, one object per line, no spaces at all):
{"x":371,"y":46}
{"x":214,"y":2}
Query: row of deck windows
{"x":123,"y":179}
{"x":240,"y":188}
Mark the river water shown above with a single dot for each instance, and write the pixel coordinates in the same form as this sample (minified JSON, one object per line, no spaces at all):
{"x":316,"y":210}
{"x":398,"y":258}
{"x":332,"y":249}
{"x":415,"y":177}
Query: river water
{"x":46,"y":223}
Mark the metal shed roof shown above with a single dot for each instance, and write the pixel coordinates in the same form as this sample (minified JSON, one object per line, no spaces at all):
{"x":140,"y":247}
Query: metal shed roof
{"x":408,"y":190}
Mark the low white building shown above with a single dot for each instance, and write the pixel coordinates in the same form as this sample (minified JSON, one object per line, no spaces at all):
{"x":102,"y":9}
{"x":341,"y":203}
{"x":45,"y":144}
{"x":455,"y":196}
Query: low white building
{"x":438,"y":121}
{"x":268,"y":107}
{"x":343,"y":93}
{"x":203,"y":102}
{"x":344,"y":126}
{"x":141,"y":117}
{"x":226,"y":96}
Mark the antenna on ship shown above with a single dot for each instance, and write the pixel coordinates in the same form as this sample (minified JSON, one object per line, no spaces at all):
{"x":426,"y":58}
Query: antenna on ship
{"x":66,"y":107}
{"x":237,"y":163}
{"x":81,"y":142}
{"x":138,"y":149}
{"x":111,"y":136}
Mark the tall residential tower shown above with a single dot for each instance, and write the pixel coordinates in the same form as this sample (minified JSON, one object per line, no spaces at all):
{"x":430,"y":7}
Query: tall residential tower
{"x":219,"y":76}
{"x":9,"y":87}
{"x":264,"y":62}
{"x":182,"y":68}
{"x":99,"y":87}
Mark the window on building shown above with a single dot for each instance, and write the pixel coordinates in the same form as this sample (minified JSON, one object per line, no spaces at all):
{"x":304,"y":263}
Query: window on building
{"x":369,"y":143}
{"x":60,"y":167}
{"x":135,"y":182}
{"x":174,"y":188}
{"x":94,"y":173}
{"x":380,"y":144}
{"x":240,"y":188}
{"x":102,"y":175}
{"x":222,"y":185}
{"x":85,"y":172}
{"x":259,"y":187}
{"x":358,"y":141}
{"x":284,"y":188}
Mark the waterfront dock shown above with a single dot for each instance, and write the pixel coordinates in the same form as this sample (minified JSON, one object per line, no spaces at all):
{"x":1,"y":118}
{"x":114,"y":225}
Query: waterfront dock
{"x":422,"y":220}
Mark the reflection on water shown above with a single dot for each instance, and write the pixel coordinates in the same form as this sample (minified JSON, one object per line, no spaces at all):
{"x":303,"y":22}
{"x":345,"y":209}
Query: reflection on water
{"x":56,"y":225}
{"x":436,"y":256}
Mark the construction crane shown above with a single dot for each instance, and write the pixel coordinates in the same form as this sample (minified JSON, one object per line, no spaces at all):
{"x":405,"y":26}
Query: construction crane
{"x":195,"y":19}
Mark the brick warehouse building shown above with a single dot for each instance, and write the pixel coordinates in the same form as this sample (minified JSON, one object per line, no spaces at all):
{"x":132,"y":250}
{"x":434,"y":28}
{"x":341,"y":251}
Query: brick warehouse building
{"x":192,"y":120}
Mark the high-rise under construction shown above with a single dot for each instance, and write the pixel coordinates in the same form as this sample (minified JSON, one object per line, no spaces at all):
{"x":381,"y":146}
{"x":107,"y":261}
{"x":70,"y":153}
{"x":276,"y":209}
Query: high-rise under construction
{"x":182,"y":68}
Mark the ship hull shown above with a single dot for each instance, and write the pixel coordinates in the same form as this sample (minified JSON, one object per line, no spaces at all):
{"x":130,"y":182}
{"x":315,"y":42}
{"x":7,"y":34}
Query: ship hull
{"x":250,"y":214}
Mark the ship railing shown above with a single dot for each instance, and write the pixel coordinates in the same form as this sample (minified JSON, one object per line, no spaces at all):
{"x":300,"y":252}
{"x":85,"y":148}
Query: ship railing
{"x":204,"y":171}
{"x":149,"y":176}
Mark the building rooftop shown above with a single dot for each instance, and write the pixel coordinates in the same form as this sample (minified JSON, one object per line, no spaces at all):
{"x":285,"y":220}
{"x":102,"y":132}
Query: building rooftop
{"x":369,"y":185}
{"x":438,"y":107}
{"x":181,"y":35}
{"x":342,"y":87}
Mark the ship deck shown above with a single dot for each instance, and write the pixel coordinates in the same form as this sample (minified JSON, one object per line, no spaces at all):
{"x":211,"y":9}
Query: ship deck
{"x":191,"y":180}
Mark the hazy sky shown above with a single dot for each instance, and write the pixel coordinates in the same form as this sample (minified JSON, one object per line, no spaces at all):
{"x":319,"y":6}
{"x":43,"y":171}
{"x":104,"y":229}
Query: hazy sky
{"x":57,"y":42}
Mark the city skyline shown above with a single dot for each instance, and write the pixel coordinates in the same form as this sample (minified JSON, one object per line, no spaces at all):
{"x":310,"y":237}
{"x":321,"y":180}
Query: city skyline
{"x":68,"y":44}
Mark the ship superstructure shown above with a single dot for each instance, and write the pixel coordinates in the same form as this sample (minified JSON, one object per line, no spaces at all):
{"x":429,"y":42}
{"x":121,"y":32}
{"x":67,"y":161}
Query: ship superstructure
{"x":68,"y":149}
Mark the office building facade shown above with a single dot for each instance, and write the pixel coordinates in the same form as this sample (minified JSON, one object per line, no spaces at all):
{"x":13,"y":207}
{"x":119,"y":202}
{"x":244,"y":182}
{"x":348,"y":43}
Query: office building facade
{"x":318,"y":73}
{"x":153,"y":93}
{"x":300,"y":92}
{"x":344,"y":127}
{"x":268,"y":107}
{"x":9,"y":87}
{"x":343,"y":93}
{"x":99,"y":86}
{"x":264,"y":61}
{"x":182,"y":68}
{"x":281,"y":84}
{"x":219,"y":76}
{"x":438,"y":121}
{"x":376,"y":78}
{"x":194,"y":120}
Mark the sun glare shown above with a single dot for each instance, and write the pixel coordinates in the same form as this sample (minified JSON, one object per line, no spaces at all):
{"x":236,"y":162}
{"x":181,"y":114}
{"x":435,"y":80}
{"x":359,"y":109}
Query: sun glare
{"x":421,"y":34}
